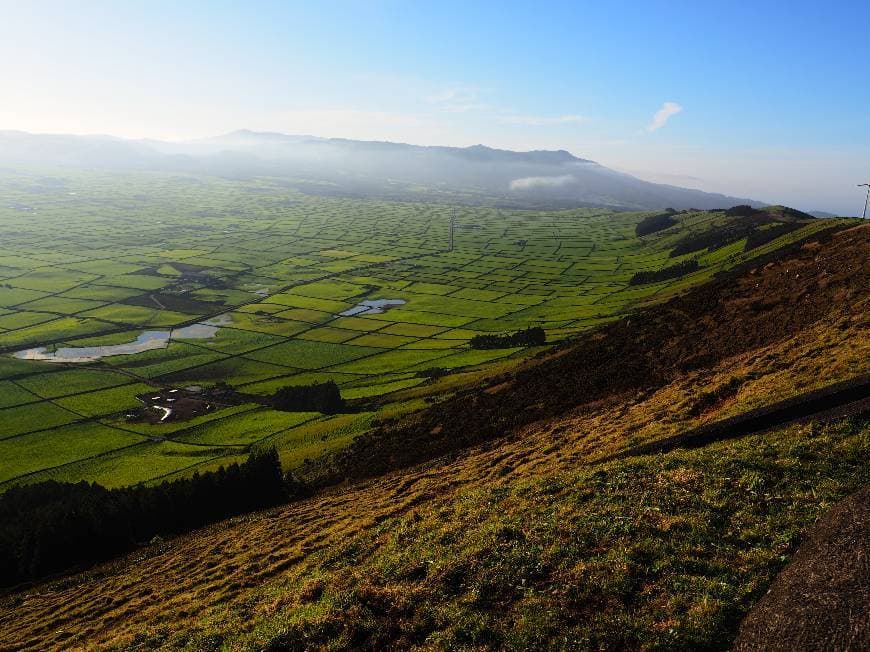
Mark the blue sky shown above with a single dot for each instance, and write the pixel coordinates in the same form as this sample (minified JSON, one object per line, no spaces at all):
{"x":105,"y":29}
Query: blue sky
{"x":768,"y":100}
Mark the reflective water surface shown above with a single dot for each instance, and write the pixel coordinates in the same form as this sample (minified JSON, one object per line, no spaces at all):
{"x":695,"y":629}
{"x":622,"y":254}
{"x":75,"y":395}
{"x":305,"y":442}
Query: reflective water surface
{"x":146,"y":341}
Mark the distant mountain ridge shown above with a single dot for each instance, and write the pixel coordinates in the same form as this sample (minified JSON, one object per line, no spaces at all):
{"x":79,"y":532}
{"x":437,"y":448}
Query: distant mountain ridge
{"x":353,"y":168}
{"x":479,"y":152}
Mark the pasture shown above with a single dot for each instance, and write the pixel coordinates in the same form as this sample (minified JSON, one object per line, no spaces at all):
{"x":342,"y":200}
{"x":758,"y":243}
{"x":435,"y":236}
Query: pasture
{"x":99,"y":259}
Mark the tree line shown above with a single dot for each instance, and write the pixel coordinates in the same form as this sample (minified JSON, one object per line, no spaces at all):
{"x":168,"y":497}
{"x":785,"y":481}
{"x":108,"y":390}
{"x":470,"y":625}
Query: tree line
{"x":758,"y":238}
{"x":655,"y":223}
{"x":317,"y":397}
{"x":49,"y":527}
{"x":673,"y":271}
{"x":534,"y":336}
{"x":713,"y":238}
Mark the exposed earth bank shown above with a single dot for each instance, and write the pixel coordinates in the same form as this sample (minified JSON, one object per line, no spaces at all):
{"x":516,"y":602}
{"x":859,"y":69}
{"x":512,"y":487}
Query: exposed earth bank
{"x":821,"y":600}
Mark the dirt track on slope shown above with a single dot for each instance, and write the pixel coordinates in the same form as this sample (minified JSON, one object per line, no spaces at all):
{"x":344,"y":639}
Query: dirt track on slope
{"x":821,"y":600}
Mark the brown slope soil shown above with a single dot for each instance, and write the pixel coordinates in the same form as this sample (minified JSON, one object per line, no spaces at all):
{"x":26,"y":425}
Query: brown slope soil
{"x":223,"y":577}
{"x":821,"y":600}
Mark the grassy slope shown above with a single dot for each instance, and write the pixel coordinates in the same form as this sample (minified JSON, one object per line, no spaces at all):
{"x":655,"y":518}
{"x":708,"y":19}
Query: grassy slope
{"x":654,"y":552}
{"x":523,"y":542}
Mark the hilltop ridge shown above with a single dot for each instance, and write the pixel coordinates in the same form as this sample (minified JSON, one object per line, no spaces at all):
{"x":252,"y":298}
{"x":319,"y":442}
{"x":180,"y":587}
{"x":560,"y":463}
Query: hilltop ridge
{"x":478,"y":151}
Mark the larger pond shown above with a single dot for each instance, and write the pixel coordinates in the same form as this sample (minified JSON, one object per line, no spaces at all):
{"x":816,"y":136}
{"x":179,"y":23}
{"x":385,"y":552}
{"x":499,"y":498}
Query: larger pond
{"x":146,"y":341}
{"x":372,"y":307}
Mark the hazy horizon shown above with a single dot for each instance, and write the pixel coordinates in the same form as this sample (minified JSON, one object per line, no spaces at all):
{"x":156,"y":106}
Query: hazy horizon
{"x":749,"y":102}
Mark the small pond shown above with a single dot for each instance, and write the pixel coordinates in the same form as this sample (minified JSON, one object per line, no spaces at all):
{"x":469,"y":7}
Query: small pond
{"x":371,"y":307}
{"x":146,"y":341}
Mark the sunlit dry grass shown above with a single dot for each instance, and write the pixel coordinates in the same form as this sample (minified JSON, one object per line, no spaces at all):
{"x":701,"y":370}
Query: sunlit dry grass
{"x":503,"y":544}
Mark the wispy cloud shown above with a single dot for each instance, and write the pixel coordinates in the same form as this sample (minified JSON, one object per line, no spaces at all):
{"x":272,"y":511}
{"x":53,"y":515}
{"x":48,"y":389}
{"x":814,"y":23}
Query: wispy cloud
{"x":528,"y":183}
{"x":660,"y":119}
{"x":453,"y":94}
{"x":542,"y":121}
{"x":458,"y":99}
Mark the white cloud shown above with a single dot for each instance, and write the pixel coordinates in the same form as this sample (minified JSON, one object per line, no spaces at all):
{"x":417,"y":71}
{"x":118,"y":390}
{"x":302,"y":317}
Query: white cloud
{"x":528,"y":183}
{"x":541,"y":121}
{"x":662,"y":116}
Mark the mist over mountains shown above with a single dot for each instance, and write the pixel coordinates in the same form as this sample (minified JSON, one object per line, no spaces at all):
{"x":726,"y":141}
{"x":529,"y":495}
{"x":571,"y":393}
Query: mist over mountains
{"x":352,"y":168}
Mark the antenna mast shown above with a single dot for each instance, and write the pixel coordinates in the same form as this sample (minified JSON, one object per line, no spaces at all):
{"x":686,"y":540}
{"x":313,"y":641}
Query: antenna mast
{"x":867,"y":197}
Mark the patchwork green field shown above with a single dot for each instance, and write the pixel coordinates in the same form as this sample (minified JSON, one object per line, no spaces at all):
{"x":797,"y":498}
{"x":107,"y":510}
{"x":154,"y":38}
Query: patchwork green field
{"x":90,"y":262}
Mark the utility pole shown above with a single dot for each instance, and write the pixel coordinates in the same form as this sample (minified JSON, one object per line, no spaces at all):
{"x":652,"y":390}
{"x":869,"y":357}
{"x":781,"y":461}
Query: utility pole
{"x":452,"y":225}
{"x":864,"y":216}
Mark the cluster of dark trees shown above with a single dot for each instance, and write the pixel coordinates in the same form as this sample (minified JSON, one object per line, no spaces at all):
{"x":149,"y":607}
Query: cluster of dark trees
{"x":52,"y":526}
{"x":745,"y":223}
{"x":713,"y":238}
{"x":534,"y":336}
{"x":673,"y":271}
{"x":318,"y":397}
{"x":758,"y":238}
{"x":655,"y":223}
